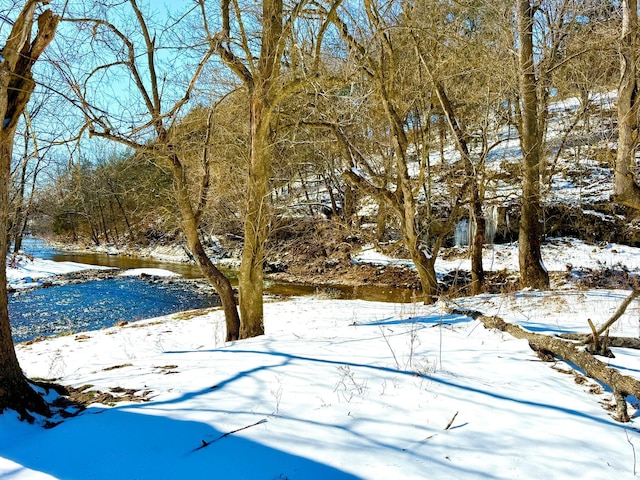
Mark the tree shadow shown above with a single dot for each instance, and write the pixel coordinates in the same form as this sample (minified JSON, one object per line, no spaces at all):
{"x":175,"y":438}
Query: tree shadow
{"x":287,"y":358}
{"x":136,"y":442}
{"x":445,"y":319}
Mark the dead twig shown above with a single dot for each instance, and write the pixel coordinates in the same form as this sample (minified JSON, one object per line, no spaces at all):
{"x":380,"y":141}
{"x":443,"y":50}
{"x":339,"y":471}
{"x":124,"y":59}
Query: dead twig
{"x":206,"y":444}
{"x":619,"y":312}
{"x":451,"y":421}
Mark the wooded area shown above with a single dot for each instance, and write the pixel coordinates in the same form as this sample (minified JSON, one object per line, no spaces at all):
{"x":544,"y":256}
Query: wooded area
{"x":237,"y":117}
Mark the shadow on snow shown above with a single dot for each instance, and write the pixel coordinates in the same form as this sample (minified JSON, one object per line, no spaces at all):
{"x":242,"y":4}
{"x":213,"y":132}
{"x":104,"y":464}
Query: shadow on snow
{"x":445,"y":319}
{"x":126,"y":442}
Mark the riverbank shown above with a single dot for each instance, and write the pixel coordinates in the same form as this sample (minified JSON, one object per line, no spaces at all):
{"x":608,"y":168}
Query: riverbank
{"x":292,"y":265}
{"x":335,"y":389}
{"x":353,"y":266}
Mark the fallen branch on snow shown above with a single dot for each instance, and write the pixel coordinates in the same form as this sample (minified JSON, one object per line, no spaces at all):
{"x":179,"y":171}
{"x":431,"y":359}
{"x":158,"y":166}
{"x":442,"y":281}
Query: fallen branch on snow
{"x":206,"y":444}
{"x":621,"y":385}
{"x":620,"y":342}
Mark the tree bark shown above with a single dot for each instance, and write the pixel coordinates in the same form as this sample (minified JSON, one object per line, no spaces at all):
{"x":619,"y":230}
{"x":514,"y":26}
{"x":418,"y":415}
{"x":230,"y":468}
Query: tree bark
{"x":626,"y":190}
{"x":251,"y":276}
{"x":16,"y":85}
{"x":621,"y":385}
{"x":208,"y":269}
{"x":587,"y":338}
{"x":532,"y":271}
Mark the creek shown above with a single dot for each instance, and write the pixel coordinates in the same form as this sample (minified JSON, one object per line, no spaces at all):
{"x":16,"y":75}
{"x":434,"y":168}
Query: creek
{"x":96,"y":304}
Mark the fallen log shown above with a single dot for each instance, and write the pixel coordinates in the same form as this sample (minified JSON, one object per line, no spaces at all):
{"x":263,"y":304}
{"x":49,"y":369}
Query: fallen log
{"x":621,"y":385}
{"x":620,"y":342}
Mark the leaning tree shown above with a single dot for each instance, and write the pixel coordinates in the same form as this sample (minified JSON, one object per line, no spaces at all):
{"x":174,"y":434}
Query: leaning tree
{"x":129,"y":90}
{"x":19,"y":54}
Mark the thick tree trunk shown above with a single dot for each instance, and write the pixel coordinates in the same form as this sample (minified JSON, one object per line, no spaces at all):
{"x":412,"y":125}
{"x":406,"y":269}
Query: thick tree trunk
{"x":532,"y":271}
{"x":209,"y":270}
{"x":426,"y":267}
{"x":261,"y":82}
{"x":16,"y":85}
{"x":251,"y":276}
{"x":477,"y":242}
{"x":626,"y":190}
{"x":15,"y":392}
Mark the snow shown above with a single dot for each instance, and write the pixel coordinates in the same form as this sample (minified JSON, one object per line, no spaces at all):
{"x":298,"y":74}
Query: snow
{"x":340,"y":389}
{"x":24,"y":271}
{"x":370,"y":255}
{"x":343,"y":389}
{"x":558,"y":255}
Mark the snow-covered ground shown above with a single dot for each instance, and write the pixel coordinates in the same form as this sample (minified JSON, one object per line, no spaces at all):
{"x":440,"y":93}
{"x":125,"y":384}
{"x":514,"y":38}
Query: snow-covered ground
{"x":558,"y":255}
{"x":25,"y":272}
{"x":338,"y":389}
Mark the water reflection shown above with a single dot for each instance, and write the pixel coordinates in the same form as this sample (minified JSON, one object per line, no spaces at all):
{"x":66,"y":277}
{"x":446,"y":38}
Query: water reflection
{"x":39,"y":248}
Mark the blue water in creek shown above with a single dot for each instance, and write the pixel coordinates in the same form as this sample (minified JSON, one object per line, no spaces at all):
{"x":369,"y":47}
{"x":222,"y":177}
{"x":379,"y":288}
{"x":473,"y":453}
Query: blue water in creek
{"x":96,"y":304}
{"x":103,"y":303}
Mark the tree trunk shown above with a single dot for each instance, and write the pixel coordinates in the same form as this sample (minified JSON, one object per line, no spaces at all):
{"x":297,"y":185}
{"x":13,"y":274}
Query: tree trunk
{"x":381,"y":221}
{"x":19,"y":207}
{"x":15,"y":392}
{"x":120,"y":206}
{"x":209,"y":270}
{"x":16,"y":85}
{"x":626,"y":190}
{"x":621,"y":385}
{"x":261,"y":81}
{"x":349,"y":209}
{"x":475,"y":199}
{"x":532,"y":271}
{"x":477,"y":242}
{"x":426,"y":268}
{"x":251,"y":276}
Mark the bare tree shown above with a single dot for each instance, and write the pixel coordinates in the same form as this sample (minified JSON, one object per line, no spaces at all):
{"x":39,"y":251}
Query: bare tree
{"x":462,"y":77}
{"x":388,"y":63}
{"x":541,"y":35}
{"x":141,"y":61}
{"x":259,"y":67}
{"x":19,"y":54}
{"x":532,"y":271}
